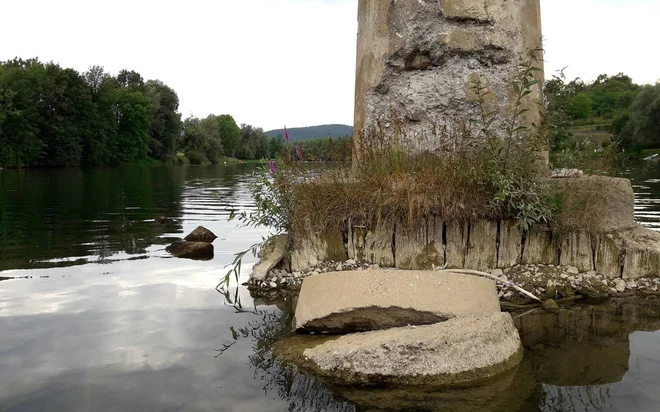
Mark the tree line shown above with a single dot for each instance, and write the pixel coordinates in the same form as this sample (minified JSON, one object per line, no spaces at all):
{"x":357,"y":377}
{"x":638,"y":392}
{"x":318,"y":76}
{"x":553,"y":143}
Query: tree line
{"x":52,"y":116}
{"x":631,"y":112}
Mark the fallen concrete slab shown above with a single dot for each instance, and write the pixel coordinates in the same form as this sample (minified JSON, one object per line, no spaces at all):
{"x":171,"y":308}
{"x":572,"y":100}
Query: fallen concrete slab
{"x":457,"y":351}
{"x":269,"y":257}
{"x":354,"y":301}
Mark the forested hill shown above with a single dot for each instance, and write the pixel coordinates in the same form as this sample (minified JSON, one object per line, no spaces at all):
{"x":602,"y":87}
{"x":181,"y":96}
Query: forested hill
{"x":313,"y":132}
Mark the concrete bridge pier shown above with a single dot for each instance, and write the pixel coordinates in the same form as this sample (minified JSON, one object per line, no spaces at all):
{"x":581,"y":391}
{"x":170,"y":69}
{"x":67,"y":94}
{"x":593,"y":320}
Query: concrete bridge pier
{"x":416,"y":60}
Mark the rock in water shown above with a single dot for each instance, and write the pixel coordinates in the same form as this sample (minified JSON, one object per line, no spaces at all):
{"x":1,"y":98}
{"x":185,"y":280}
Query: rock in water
{"x":191,"y":250}
{"x":452,"y":352}
{"x":270,"y":256}
{"x":201,"y":234}
{"x":356,"y":301}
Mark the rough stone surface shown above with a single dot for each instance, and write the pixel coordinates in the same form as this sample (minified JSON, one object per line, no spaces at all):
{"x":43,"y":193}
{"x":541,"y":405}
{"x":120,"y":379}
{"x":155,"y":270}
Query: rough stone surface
{"x":201,"y":234}
{"x":341,"y":302}
{"x":416,"y":60}
{"x":191,"y":250}
{"x":451,"y":352}
{"x":270,"y":256}
{"x":641,"y":253}
{"x":608,"y":201}
{"x":310,"y":248}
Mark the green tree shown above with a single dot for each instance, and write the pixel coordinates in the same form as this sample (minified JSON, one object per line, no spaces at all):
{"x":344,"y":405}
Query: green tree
{"x":65,"y":106}
{"x":610,"y":94}
{"x":165,"y":120}
{"x":129,"y":79}
{"x":213,"y":144}
{"x":643,"y":129}
{"x":231,"y":134}
{"x":133,"y":114}
{"x":275,"y":146}
{"x":579,"y":106}
{"x":20,"y":87}
{"x":103,"y":120}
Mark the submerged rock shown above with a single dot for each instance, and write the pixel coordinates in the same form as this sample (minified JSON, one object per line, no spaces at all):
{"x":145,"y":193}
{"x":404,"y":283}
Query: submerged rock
{"x":201,"y":234}
{"x":191,"y":250}
{"x":351,"y":301}
{"x":456,"y":351}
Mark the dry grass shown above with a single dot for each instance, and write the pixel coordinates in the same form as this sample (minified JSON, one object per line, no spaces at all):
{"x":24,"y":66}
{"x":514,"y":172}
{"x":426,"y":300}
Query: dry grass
{"x":395,"y":186}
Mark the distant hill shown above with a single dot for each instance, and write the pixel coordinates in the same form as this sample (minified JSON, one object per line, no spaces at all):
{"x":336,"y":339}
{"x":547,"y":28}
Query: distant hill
{"x":314,"y":132}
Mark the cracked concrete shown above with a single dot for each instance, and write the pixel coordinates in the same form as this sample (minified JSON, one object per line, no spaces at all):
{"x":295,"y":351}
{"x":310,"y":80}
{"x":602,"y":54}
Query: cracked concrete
{"x":416,"y":59}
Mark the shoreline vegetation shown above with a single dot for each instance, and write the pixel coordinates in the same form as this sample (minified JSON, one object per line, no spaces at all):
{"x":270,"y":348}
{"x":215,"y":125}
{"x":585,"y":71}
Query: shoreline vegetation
{"x":51,"y":116}
{"x":611,"y":115}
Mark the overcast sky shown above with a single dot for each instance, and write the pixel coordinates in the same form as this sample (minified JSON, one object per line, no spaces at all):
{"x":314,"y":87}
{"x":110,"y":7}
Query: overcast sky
{"x":276,"y":62}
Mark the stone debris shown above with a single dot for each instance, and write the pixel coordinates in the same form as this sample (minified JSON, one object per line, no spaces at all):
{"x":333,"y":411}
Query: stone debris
{"x":452,"y":352}
{"x":548,"y":281}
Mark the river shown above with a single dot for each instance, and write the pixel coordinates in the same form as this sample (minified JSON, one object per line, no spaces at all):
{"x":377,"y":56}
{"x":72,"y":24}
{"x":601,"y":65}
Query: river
{"x":96,"y":316}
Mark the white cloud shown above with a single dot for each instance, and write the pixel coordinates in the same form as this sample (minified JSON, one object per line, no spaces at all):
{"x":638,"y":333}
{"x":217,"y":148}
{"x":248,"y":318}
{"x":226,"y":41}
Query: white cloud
{"x":593,"y":37}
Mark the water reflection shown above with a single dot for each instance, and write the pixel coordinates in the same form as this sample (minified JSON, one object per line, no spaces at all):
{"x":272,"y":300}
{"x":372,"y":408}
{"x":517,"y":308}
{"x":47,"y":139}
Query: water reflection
{"x":585,"y":358}
{"x":144,"y":331}
{"x":644,"y":178}
{"x":67,"y":217}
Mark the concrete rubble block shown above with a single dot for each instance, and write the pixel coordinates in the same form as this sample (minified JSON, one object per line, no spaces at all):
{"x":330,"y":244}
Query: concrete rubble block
{"x":510,"y":245}
{"x":456,"y":248}
{"x":540,"y":248}
{"x":309,"y":249}
{"x":481,"y":252}
{"x":371,"y":243}
{"x":599,"y":204}
{"x":352,"y":301}
{"x":420,"y":247}
{"x":457,"y":351}
{"x":642,"y":254}
{"x":273,"y":252}
{"x":577,"y":250}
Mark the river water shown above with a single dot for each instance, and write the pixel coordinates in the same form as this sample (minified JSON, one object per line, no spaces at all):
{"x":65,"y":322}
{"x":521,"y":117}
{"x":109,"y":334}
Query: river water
{"x":96,"y":316}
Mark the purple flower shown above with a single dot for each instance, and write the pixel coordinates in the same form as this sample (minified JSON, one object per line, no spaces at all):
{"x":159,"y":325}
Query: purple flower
{"x":271,"y":166}
{"x":299,"y":153}
{"x":286,"y":134}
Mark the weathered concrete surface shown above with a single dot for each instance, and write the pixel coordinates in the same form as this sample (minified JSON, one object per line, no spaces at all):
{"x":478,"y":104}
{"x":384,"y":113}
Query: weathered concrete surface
{"x":191,"y":250}
{"x":456,"y":351}
{"x":201,"y":234}
{"x":596,"y":232}
{"x":345,"y":302}
{"x":598,"y":204}
{"x":310,"y":248}
{"x":415,"y":62}
{"x":270,"y":256}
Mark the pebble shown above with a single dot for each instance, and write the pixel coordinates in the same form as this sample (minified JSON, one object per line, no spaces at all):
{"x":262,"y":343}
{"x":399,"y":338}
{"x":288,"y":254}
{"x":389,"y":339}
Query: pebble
{"x":497,"y":272}
{"x":572,"y":270}
{"x":620,"y":285}
{"x":351,"y":262}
